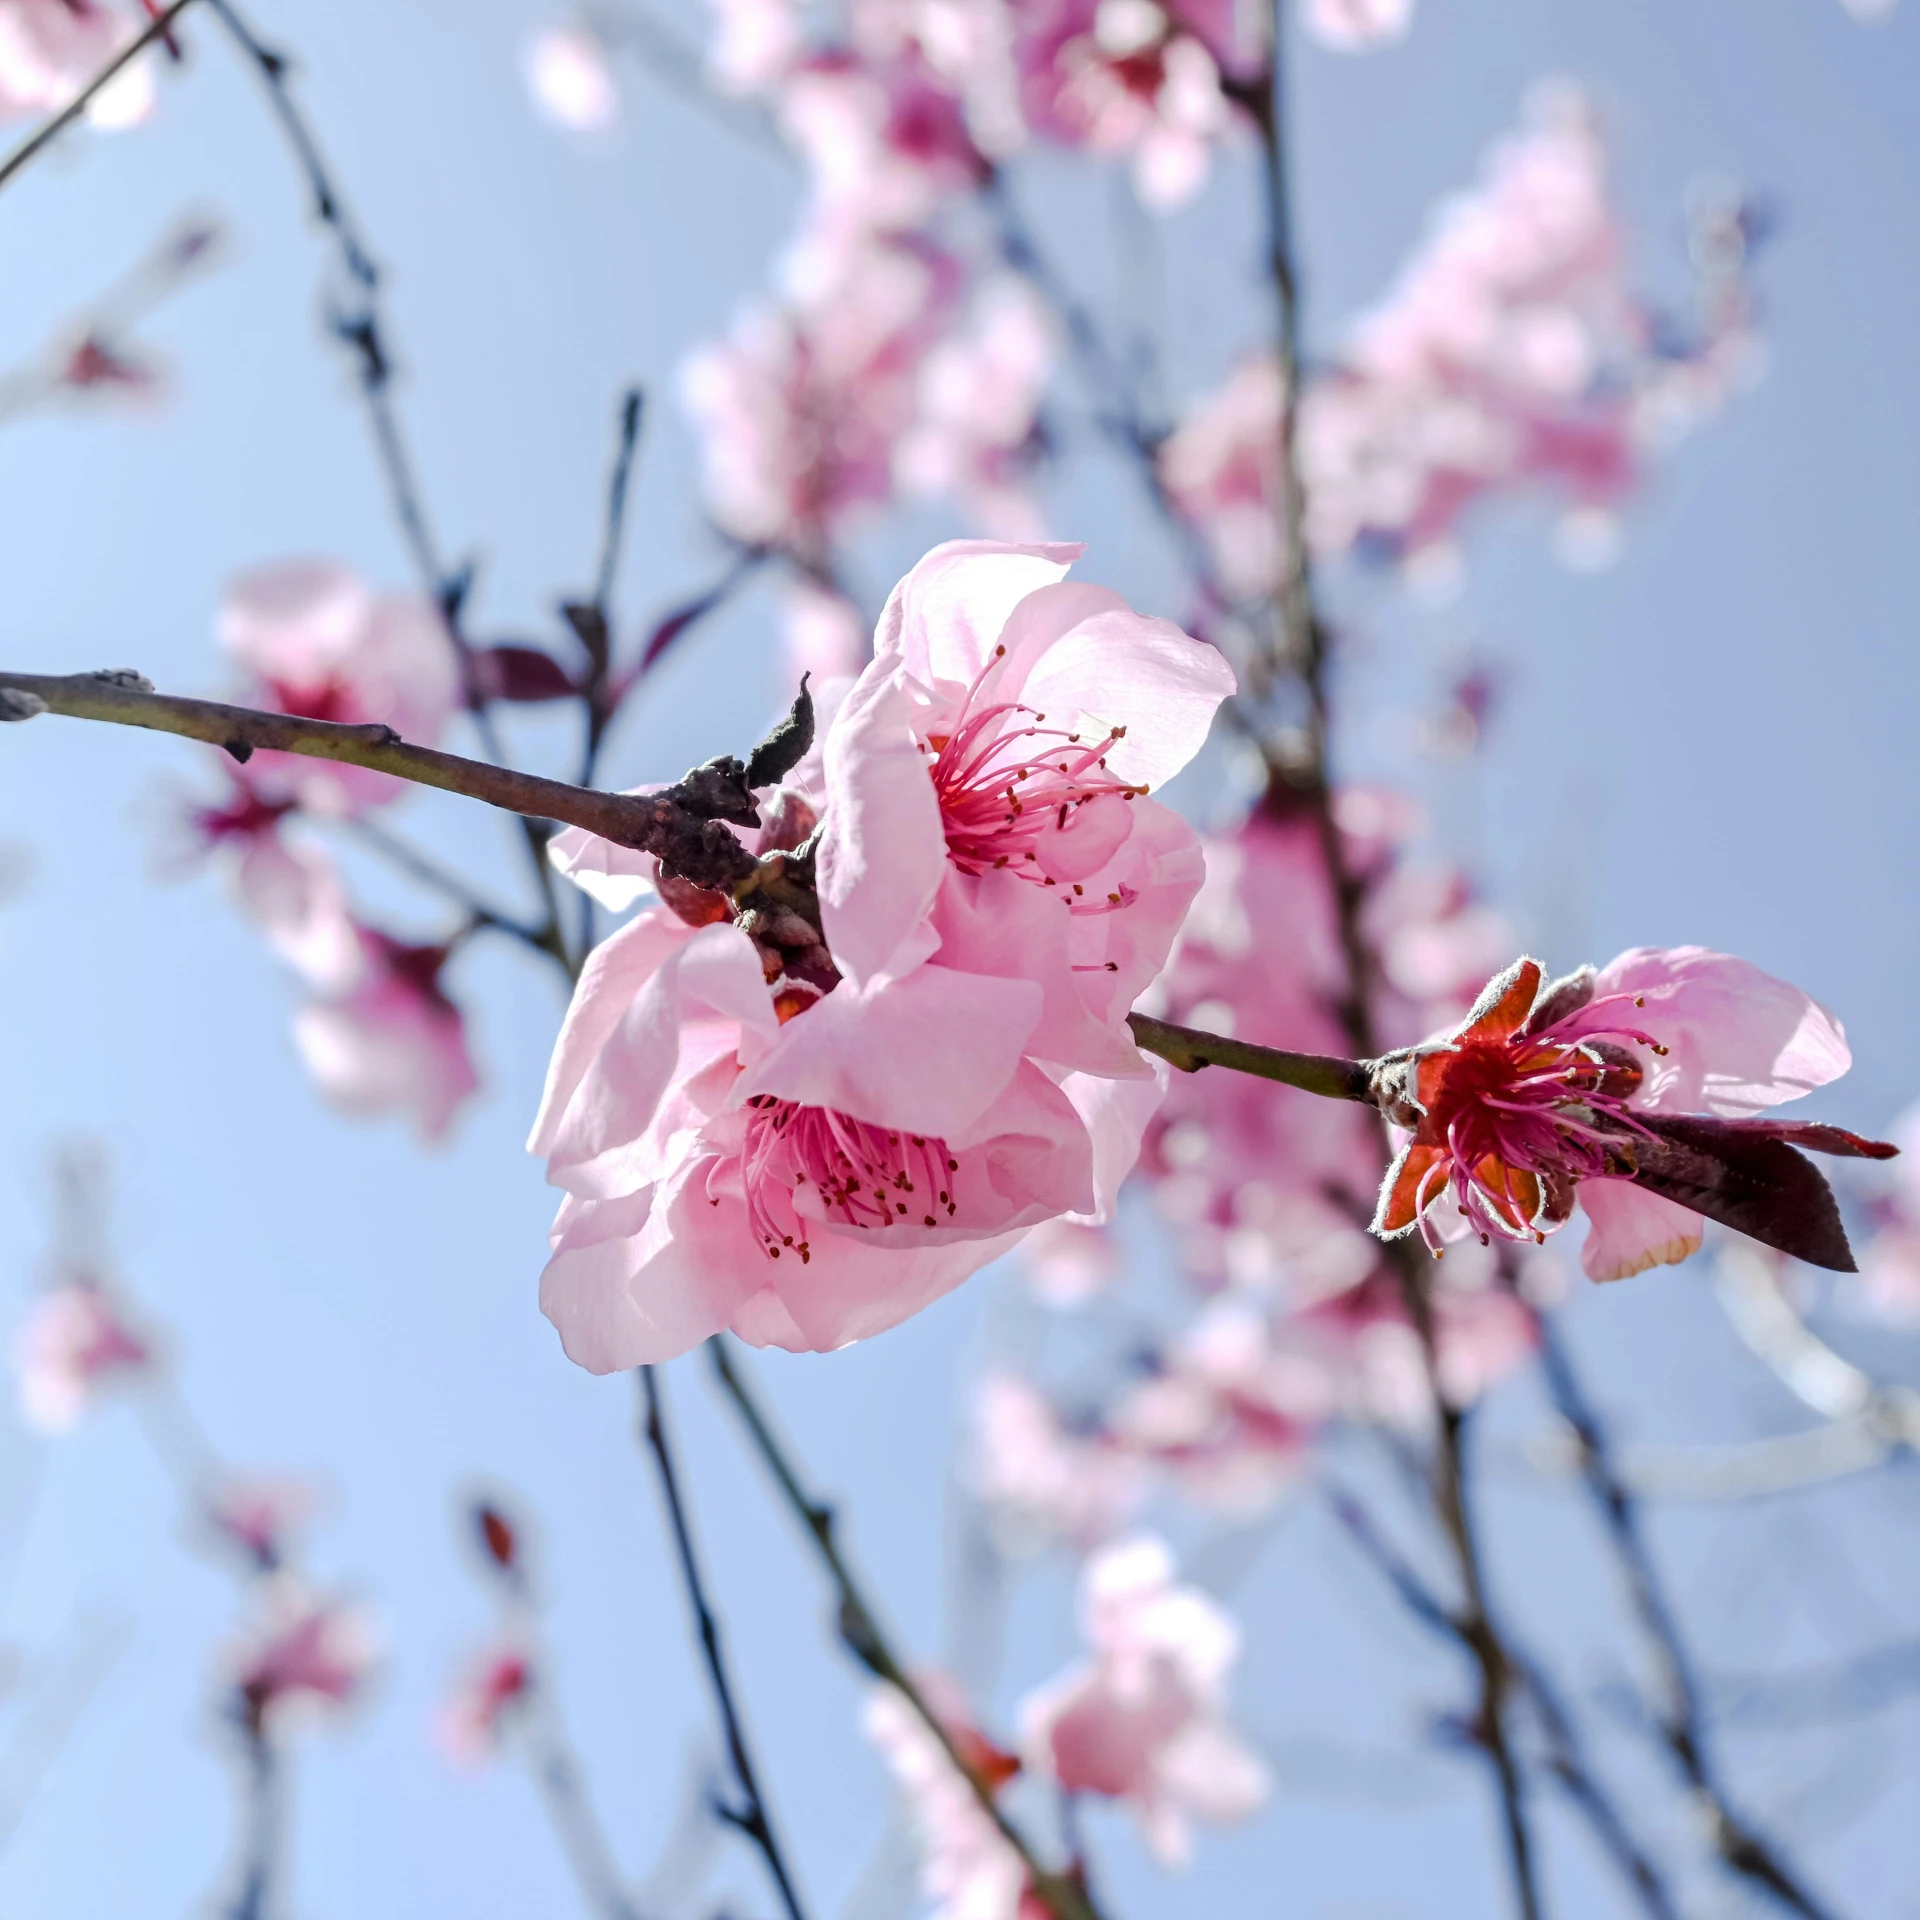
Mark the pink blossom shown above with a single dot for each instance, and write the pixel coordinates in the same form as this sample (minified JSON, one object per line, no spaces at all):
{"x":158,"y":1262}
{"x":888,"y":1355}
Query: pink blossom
{"x":390,"y":1040}
{"x":1353,"y":26}
{"x":1121,"y":77}
{"x":475,"y":1720}
{"x":1230,"y":1411}
{"x":1511,"y":353}
{"x":319,"y":644}
{"x":258,"y":1516}
{"x":289,"y":890}
{"x":964,"y":46}
{"x":800,"y":408}
{"x":74,"y":1343}
{"x":306,"y":1652}
{"x":886,"y":1119}
{"x":1069,"y":1262}
{"x":571,"y":79}
{"x":1633,"y":1092}
{"x":979,"y":405}
{"x":50,"y":49}
{"x":1142,"y":1718}
{"x":967,"y":1870}
{"x":1041,"y":1482}
{"x":985,"y":786}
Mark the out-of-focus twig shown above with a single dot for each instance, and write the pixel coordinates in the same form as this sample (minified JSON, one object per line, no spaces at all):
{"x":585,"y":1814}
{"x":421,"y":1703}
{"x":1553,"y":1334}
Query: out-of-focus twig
{"x":1737,"y":1839}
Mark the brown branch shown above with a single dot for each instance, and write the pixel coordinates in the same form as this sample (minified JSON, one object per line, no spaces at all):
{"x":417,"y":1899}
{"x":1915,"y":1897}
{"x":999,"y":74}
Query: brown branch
{"x":1187,"y":1048}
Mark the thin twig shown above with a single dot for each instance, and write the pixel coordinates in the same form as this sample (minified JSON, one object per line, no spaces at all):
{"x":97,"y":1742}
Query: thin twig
{"x":1064,"y":1894}
{"x":750,"y":1815}
{"x":419,"y":866}
{"x":362,"y":327}
{"x":1189,"y":1049}
{"x":1566,"y":1762}
{"x":260,"y":1854}
{"x":38,"y":141}
{"x":556,"y":1771}
{"x":1680,"y":1719}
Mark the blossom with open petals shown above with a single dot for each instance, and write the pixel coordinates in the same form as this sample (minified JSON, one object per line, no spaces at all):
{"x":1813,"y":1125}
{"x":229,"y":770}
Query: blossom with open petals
{"x":1142,"y":1720}
{"x":317,"y":642}
{"x":1633,"y":1092}
{"x":74,"y":1342}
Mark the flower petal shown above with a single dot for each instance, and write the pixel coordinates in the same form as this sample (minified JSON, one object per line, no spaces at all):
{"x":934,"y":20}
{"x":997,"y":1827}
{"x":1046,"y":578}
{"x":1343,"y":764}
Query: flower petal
{"x":1400,"y":1190}
{"x":1630,"y":1230}
{"x":884,"y":851}
{"x":945,"y":618}
{"x":1738,"y":1040}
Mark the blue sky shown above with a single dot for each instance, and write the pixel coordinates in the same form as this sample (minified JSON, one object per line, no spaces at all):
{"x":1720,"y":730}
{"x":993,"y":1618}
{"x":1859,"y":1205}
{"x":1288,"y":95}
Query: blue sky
{"x":1710,"y":741}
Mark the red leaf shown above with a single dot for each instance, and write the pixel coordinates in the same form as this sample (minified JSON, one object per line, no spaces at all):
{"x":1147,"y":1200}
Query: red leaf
{"x":521,"y":674}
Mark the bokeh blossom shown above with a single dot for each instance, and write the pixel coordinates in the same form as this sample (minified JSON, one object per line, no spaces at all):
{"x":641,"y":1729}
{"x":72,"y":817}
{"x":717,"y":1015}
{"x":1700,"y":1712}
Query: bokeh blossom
{"x":389,"y":1040}
{"x":1510,"y":354}
{"x":1142,"y":1718}
{"x":1354,"y":26}
{"x":967,"y":1869}
{"x":306,"y":1653}
{"x":50,"y":49}
{"x":75,"y":1342}
{"x":315,"y":641}
{"x":478,"y":1716}
{"x":571,"y":78}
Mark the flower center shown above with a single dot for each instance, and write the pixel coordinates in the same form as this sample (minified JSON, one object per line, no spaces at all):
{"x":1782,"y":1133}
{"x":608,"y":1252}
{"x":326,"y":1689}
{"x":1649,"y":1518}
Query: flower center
{"x":1523,"y":1120}
{"x":812,"y":1162}
{"x":1007,"y":781}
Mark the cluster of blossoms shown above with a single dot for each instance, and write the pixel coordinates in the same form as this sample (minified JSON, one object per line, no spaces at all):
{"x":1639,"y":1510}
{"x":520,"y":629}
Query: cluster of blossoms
{"x":807,"y":1132}
{"x":1140,"y":1721}
{"x":1511,"y":354}
{"x":379,"y":1034}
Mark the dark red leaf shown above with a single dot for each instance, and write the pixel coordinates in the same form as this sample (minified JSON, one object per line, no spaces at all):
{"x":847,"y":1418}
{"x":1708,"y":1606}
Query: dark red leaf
{"x":522,"y":674}
{"x":497,"y":1536}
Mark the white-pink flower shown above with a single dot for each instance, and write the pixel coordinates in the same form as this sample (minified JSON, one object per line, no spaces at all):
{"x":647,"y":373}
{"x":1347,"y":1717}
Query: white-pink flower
{"x":305,"y":1653}
{"x":318,"y":643}
{"x":495,"y":1686}
{"x":75,"y":1342}
{"x":1142,"y":1719}
{"x":389,"y":1040}
{"x":1041,"y":1482}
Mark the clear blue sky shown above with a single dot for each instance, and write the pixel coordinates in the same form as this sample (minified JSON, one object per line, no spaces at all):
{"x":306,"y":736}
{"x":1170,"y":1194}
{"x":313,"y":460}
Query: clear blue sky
{"x":1713,"y":741}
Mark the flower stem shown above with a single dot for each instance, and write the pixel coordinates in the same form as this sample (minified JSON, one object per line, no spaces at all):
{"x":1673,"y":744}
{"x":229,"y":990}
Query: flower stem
{"x":1189,"y":1049}
{"x":1063,"y":1894}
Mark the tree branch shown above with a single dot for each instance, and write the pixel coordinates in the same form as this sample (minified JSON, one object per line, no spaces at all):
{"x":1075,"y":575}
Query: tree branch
{"x":1062,"y":1893}
{"x":1189,"y":1049}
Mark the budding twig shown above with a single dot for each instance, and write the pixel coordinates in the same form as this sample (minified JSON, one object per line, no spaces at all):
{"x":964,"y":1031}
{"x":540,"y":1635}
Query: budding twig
{"x":1064,"y":1894}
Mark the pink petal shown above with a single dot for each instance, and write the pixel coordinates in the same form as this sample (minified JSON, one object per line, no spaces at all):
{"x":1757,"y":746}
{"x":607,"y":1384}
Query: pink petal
{"x":1739,"y":1039}
{"x":945,"y":618}
{"x":615,"y":972}
{"x":1122,"y":669}
{"x":927,"y":1054}
{"x":1116,"y":1114}
{"x":1630,"y":1230}
{"x":884,"y":851}
{"x":617,"y":877}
